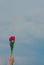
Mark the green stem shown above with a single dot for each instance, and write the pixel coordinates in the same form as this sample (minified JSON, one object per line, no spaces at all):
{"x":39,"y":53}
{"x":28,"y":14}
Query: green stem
{"x":11,"y":46}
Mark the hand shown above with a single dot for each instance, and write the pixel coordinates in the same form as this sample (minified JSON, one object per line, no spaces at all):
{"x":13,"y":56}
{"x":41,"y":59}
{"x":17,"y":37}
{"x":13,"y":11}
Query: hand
{"x":10,"y":60}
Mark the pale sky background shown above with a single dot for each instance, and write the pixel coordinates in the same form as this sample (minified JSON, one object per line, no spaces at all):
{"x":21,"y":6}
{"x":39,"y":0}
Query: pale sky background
{"x":25,"y":20}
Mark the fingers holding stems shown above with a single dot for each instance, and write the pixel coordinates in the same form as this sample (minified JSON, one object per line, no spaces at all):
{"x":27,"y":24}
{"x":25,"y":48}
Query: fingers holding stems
{"x":11,"y":60}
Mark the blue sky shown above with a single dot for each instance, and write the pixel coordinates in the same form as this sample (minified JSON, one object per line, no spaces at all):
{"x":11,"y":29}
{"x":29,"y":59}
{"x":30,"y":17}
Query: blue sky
{"x":25,"y":20}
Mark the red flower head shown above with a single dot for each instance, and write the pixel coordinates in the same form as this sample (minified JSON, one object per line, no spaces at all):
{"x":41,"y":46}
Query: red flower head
{"x":12,"y":38}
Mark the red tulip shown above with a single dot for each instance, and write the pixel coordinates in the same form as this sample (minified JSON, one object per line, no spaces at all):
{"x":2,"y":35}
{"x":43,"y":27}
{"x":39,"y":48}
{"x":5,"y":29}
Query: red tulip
{"x":12,"y":38}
